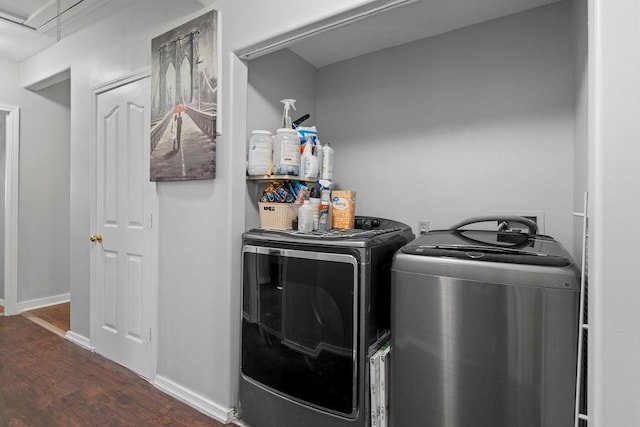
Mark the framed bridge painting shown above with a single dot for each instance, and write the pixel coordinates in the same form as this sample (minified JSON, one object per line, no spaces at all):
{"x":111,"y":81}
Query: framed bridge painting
{"x":184,"y":101}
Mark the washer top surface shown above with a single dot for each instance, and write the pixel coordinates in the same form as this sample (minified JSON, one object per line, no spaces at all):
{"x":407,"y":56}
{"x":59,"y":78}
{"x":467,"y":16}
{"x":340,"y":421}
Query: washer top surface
{"x":492,"y":246}
{"x":368,"y":231}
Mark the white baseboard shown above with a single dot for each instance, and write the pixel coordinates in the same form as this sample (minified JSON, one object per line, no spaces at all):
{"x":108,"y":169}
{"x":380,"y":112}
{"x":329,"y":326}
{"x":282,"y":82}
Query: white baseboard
{"x":80,"y":340}
{"x":202,"y":404}
{"x":43,"y":302}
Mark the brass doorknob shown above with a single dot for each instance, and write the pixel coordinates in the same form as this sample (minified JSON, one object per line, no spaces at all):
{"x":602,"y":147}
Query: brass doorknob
{"x":96,"y":238}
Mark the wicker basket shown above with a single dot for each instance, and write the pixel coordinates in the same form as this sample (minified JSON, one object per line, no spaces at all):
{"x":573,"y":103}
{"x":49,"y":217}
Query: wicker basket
{"x":277,"y":216}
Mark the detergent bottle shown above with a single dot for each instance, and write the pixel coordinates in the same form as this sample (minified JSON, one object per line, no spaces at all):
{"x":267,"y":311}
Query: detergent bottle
{"x":308,"y":162}
{"x":327,"y":162}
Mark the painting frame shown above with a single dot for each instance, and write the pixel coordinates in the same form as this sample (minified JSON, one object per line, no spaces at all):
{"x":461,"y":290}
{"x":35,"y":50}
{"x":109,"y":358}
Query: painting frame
{"x":184,"y":101}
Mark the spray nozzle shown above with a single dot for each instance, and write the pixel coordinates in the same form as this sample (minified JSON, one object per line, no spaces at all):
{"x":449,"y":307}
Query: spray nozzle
{"x":286,"y":115}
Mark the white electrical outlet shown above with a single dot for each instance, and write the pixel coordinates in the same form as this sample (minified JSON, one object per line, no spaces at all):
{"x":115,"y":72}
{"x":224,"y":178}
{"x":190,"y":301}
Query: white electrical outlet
{"x":423,"y":227}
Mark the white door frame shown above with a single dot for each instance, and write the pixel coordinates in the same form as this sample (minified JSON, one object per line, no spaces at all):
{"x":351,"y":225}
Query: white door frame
{"x":11,"y":176}
{"x":93,"y":159}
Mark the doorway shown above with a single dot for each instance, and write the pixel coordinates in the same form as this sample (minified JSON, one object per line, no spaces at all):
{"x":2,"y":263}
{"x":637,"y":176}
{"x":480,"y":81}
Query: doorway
{"x":44,"y":199}
{"x":9,"y":149}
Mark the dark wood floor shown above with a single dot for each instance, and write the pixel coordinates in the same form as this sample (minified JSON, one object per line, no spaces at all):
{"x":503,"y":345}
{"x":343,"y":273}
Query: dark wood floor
{"x":58,"y":315}
{"x":48,"y":381}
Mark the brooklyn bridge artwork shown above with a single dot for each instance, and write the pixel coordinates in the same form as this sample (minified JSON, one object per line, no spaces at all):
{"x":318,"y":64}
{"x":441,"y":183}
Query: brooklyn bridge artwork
{"x":184,"y":87}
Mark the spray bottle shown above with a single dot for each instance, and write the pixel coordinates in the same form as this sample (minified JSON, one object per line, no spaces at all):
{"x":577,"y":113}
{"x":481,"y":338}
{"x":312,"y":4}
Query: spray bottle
{"x":324,"y":214}
{"x":286,"y":114}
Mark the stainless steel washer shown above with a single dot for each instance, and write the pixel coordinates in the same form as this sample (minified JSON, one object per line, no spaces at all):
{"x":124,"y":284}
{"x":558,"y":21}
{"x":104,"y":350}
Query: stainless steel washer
{"x":314,"y":305}
{"x":484,"y":329}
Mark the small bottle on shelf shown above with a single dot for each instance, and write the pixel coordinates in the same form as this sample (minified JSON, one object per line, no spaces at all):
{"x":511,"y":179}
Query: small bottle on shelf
{"x":305,"y":217}
{"x":314,"y":201}
{"x":327,"y":161}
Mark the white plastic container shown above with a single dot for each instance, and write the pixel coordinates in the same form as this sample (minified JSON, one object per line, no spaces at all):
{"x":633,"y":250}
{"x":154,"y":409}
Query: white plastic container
{"x":314,"y":201}
{"x":327,"y":161}
{"x":286,"y":152}
{"x":305,"y":217}
{"x":308,"y":162}
{"x":260,"y":155}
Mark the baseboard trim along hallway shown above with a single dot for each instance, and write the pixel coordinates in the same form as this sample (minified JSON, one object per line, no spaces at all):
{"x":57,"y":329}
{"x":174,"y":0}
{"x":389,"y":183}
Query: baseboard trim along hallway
{"x":201,"y":403}
{"x":80,"y":340}
{"x":42,"y":302}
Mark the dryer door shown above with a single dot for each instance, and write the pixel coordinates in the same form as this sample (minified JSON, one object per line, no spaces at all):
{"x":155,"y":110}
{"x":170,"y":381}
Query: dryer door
{"x":299,"y":325}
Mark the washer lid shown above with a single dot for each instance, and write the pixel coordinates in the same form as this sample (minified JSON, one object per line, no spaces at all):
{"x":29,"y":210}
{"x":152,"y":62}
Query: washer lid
{"x":491,"y":246}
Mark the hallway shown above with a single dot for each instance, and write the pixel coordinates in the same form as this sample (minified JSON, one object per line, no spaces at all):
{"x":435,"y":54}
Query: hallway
{"x":48,"y":381}
{"x":54,"y":318}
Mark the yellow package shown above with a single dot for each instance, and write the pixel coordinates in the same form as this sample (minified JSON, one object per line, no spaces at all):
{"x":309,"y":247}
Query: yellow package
{"x":344,"y":209}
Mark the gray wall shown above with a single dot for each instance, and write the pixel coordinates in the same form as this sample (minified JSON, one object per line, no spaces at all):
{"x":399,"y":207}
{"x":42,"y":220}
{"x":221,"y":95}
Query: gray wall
{"x":471,"y":122}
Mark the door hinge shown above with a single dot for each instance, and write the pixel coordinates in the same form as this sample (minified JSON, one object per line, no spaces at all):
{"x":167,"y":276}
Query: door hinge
{"x":150,"y":220}
{"x":149,"y":334}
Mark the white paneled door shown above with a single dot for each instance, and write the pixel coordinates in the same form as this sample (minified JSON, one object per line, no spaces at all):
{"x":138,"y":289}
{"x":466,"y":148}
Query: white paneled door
{"x":123,"y":289}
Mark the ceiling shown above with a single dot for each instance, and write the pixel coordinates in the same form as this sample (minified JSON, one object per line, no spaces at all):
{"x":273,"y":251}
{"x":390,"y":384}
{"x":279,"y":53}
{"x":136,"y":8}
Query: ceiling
{"x":410,"y":21}
{"x":29,"y":26}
